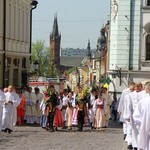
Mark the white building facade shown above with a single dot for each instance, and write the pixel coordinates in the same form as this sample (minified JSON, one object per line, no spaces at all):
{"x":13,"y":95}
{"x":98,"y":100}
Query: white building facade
{"x":14,"y":41}
{"x":129,"y":46}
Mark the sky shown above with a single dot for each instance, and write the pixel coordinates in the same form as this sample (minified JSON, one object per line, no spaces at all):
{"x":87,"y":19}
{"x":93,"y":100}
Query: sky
{"x":78,"y":21}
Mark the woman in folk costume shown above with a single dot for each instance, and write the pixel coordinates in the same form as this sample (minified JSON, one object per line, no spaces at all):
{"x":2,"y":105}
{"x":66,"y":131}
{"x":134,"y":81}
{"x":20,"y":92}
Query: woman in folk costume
{"x":21,"y":109}
{"x":99,"y":109}
{"x":51,"y":104}
{"x":69,"y":110}
{"x":58,"y":118}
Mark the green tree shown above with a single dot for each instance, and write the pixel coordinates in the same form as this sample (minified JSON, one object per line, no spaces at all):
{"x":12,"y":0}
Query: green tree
{"x":41,"y":53}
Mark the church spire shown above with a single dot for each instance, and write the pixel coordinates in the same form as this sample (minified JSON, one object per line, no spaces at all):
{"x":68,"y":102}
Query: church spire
{"x":55,"y":31}
{"x":89,"y":49}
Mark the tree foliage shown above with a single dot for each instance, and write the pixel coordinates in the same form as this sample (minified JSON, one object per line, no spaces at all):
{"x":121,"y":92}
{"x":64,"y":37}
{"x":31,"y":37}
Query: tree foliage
{"x":41,"y":53}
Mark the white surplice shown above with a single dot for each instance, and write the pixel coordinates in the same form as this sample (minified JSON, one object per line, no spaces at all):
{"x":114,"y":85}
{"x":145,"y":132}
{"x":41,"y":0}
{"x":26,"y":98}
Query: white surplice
{"x":64,"y":106}
{"x":38,"y":111}
{"x":121,"y":108}
{"x":2,"y":100}
{"x":90,"y":111}
{"x":30,"y":107}
{"x":141,"y":117}
{"x":10,"y":110}
{"x":130,"y":105}
{"x":121,"y":105}
{"x":126,"y":116}
{"x":108,"y":100}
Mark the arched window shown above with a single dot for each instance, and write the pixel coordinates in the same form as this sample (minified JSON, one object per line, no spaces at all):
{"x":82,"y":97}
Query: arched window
{"x":148,"y":47}
{"x":148,"y":2}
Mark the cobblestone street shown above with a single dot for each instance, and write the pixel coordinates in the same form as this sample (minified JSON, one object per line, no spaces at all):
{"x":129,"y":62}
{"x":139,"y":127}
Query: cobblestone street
{"x":36,"y":138}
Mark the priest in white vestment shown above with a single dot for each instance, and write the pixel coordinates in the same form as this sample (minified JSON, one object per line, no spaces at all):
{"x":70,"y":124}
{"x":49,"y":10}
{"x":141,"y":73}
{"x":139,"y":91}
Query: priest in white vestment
{"x":141,"y":117}
{"x":9,"y":109}
{"x":2,"y":100}
{"x":130,"y":105}
{"x":30,"y":106}
{"x":121,"y":106}
{"x":108,"y":100}
{"x":38,"y":111}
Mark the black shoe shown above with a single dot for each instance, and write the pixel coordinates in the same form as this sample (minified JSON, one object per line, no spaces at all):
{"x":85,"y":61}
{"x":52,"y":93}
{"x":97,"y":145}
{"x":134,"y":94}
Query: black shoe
{"x":56,"y":129}
{"x":51,"y":130}
{"x":124,"y":136}
{"x":135,"y":148}
{"x":129,"y":147}
{"x":4,"y":130}
{"x":9,"y":131}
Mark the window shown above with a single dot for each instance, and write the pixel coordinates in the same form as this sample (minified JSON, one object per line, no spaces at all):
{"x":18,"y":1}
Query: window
{"x":148,"y":47}
{"x":148,"y":2}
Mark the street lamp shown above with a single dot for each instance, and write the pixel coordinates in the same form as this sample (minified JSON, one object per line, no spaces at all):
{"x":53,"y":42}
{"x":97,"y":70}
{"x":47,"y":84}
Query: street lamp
{"x":33,"y":75}
{"x":117,"y":73}
{"x":36,"y":65}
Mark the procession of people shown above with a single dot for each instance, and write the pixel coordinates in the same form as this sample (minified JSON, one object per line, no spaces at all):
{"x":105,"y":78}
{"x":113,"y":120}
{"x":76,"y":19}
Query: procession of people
{"x":81,"y":108}
{"x":134,"y":110}
{"x":52,"y":110}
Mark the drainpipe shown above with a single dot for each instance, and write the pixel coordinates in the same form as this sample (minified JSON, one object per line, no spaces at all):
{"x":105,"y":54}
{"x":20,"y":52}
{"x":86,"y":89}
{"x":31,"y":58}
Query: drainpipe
{"x":141,"y":31}
{"x":4,"y":40}
{"x":130,"y":43}
{"x":34,"y":4}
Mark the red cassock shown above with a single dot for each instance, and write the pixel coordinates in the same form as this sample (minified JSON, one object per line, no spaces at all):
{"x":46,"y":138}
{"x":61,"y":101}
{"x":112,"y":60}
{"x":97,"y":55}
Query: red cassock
{"x":21,"y":111}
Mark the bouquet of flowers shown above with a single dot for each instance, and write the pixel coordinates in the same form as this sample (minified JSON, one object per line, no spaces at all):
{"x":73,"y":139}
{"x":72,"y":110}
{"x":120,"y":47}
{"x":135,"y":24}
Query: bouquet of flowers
{"x":82,"y":96}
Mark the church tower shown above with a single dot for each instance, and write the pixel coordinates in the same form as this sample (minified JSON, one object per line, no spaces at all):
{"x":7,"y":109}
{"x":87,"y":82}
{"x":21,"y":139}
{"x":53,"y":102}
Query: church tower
{"x":89,"y":55}
{"x":55,"y":39}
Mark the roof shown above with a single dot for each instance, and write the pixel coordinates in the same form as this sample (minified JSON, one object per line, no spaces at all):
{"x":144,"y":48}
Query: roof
{"x":55,"y":31}
{"x":98,"y":54}
{"x":71,"y":61}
